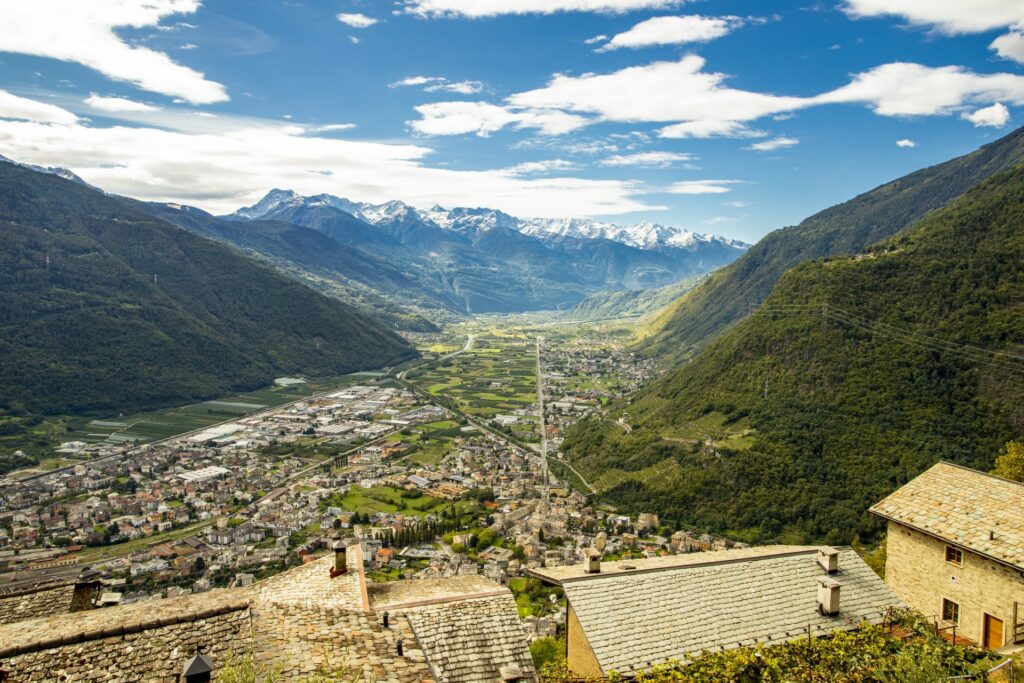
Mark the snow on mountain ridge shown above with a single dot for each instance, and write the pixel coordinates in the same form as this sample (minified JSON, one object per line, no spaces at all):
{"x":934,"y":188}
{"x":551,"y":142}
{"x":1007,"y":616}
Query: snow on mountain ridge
{"x":644,"y":235}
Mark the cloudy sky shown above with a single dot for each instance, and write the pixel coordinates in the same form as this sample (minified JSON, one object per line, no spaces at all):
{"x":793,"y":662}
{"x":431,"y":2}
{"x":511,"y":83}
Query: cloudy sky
{"x":716,"y":115}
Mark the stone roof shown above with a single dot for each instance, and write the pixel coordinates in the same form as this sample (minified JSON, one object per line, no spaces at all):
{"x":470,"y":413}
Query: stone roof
{"x":977,"y":511}
{"x":16,"y":606}
{"x":394,"y":594}
{"x":577,"y":571}
{"x":312,"y":584}
{"x":295,"y":624}
{"x":472,"y":641}
{"x":64,"y":629}
{"x":731,"y":599}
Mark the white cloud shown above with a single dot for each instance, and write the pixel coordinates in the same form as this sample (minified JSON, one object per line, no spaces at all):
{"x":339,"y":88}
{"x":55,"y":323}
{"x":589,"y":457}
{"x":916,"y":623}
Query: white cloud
{"x":699,"y":104}
{"x":955,"y":17}
{"x":416,"y":80}
{"x":709,"y":129}
{"x":673,"y":31}
{"x":647,"y":159}
{"x":440,"y":84}
{"x":736,"y":205}
{"x":907,"y":89}
{"x":658,"y":92}
{"x":482,"y":118}
{"x":332,"y":127}
{"x":477,"y":9}
{"x":14,"y":107}
{"x":995,"y":116}
{"x":780,"y":142}
{"x":460,"y":87}
{"x":117,"y":104}
{"x":356,"y":20}
{"x":221,"y":164}
{"x":1010,"y":46}
{"x":702,"y":186}
{"x":546,"y":166}
{"x":595,"y":40}
{"x":906,"y":143}
{"x":83,"y":32}
{"x":948,"y":16}
{"x":354,"y":40}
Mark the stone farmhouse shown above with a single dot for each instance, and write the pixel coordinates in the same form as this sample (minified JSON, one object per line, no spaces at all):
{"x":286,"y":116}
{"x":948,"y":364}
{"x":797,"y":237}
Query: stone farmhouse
{"x":955,"y":551}
{"x":628,"y":615}
{"x":321,"y":616}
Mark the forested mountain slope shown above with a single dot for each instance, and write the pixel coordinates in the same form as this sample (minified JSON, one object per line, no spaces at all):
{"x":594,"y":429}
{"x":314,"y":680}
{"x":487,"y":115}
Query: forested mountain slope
{"x":352,"y":275}
{"x":106,"y":308}
{"x":856,"y":374}
{"x":628,"y":303}
{"x":842,"y":229}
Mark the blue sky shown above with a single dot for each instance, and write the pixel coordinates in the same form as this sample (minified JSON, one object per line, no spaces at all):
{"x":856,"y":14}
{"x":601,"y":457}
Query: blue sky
{"x":718,"y":116}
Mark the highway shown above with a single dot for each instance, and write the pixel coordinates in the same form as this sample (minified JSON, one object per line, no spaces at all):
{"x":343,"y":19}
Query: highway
{"x":543,"y":431}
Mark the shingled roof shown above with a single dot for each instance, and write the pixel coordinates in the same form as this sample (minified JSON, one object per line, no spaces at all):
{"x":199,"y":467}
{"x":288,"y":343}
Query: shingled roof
{"x":977,"y":511}
{"x":653,"y":611}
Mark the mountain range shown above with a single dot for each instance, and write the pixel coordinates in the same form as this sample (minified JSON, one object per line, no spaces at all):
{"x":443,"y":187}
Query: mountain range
{"x":483,"y":261}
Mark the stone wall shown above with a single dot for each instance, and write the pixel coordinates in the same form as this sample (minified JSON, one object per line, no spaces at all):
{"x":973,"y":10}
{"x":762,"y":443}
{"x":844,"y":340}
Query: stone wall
{"x":152,"y":655}
{"x":917,"y":570}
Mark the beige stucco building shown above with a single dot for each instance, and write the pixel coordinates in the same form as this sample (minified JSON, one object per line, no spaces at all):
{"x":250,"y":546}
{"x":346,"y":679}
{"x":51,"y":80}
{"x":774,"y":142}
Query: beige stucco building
{"x":955,"y":551}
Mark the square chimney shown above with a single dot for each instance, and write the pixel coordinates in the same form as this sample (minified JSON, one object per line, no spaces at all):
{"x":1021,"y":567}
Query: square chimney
{"x":828,"y":596}
{"x":592,"y":563}
{"x":340,"y":558}
{"x":828,"y":559}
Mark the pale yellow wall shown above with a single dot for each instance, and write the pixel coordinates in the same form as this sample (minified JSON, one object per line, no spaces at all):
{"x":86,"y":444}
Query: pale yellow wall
{"x":917,"y":570}
{"x":582,"y":660}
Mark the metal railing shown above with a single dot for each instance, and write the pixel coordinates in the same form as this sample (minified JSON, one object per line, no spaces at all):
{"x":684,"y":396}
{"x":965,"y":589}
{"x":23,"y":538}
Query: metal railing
{"x":1001,"y":673}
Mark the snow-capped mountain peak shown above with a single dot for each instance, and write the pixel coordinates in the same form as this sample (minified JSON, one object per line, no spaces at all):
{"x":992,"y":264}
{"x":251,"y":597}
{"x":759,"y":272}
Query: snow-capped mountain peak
{"x":644,"y":235}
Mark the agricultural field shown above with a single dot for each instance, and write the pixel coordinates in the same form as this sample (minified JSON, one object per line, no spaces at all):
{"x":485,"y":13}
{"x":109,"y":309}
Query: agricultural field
{"x":38,"y":438}
{"x":497,"y":377}
{"x":431,"y":442}
{"x":391,"y":500}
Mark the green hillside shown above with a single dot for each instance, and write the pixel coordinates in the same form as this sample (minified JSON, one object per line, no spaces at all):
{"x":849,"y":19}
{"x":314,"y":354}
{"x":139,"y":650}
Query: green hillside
{"x":856,"y":374}
{"x":629,"y":303}
{"x":846,"y":228}
{"x":105,"y":308}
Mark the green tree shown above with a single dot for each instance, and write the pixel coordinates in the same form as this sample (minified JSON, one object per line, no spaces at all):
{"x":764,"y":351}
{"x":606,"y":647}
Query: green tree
{"x":1010,"y":463}
{"x":547,"y":651}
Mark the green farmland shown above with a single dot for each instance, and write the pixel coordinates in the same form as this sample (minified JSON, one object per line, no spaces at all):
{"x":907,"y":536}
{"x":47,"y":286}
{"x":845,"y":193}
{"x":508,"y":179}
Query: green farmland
{"x":497,"y":377}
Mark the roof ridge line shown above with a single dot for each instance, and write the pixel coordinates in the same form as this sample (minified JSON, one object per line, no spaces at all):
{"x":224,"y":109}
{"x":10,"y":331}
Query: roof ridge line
{"x":123,"y":629}
{"x":974,"y":471}
{"x":444,"y":599}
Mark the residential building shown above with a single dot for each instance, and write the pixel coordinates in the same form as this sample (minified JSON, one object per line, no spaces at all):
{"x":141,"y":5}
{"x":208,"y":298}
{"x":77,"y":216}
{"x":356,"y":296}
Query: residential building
{"x":955,"y":551}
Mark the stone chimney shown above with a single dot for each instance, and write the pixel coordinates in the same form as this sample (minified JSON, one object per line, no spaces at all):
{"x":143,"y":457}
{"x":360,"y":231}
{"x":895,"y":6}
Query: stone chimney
{"x":592,"y":565}
{"x":828,"y":596}
{"x":828,"y":560}
{"x":340,"y":558}
{"x":87,"y":590}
